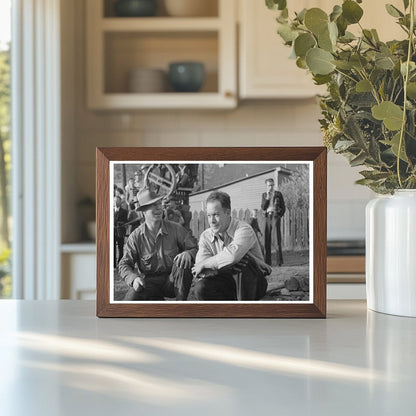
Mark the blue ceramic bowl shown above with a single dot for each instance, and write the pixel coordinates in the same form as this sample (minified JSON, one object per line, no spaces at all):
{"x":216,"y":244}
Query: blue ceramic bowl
{"x":186,"y":76}
{"x":135,"y":8}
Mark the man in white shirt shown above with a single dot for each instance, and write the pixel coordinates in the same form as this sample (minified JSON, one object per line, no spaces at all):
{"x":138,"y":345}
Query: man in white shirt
{"x":229,"y":247}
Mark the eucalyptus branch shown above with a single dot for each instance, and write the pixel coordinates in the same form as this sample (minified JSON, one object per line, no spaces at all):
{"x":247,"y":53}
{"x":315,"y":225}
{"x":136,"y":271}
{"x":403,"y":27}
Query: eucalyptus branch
{"x":406,"y":79}
{"x":361,"y":59}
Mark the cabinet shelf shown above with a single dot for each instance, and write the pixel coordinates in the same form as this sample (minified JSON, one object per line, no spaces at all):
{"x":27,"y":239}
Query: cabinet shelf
{"x":198,"y":100}
{"x":160,"y":24}
{"x":118,"y":46}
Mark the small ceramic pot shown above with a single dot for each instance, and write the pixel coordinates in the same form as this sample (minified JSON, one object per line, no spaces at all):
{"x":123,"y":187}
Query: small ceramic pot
{"x":147,"y":80}
{"x":191,"y":8}
{"x":135,"y":8}
{"x":186,"y":76}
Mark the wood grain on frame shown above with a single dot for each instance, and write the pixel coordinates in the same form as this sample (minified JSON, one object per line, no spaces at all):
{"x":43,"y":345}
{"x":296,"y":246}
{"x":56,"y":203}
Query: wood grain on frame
{"x":317,"y":309}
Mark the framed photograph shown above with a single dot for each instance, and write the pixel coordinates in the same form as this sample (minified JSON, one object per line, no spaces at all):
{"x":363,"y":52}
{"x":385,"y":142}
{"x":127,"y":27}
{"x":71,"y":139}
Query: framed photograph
{"x":211,"y":232}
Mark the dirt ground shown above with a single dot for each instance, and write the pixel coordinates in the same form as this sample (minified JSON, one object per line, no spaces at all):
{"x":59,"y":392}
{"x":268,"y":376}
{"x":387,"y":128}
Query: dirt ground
{"x":295,"y":264}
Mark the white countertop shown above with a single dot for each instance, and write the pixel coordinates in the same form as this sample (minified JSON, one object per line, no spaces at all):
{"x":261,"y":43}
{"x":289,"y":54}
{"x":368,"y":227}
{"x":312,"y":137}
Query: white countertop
{"x":57,"y":358}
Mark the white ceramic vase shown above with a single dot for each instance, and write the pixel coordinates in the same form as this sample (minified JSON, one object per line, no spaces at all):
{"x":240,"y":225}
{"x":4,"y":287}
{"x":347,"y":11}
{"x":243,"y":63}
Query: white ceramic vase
{"x":391,"y":253}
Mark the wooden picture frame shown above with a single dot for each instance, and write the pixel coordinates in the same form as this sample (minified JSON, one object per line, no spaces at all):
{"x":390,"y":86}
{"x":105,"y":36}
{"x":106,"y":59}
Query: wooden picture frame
{"x":291,"y":159}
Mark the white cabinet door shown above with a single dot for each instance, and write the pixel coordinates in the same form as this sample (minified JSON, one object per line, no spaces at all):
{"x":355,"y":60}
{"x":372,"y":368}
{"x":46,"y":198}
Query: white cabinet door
{"x":265,"y":70}
{"x":78,"y":276}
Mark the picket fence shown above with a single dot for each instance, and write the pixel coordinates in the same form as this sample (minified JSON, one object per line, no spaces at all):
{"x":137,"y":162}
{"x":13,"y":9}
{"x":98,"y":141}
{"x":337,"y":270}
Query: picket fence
{"x":294,"y":225}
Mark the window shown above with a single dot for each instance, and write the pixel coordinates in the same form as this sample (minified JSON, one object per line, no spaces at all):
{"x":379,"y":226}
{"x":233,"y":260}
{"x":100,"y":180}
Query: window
{"x":5,"y":148}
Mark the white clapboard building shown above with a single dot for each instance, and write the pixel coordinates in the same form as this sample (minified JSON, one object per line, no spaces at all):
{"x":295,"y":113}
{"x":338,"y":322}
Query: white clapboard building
{"x":245,"y":193}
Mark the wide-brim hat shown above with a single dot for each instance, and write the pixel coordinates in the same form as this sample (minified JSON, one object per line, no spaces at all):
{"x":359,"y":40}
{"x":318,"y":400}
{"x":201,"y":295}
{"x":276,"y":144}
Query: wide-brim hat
{"x":147,"y":197}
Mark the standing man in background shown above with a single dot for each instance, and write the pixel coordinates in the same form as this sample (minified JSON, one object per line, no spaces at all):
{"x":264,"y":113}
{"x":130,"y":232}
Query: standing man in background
{"x":120,"y":219}
{"x":273,"y":206}
{"x":129,"y":188}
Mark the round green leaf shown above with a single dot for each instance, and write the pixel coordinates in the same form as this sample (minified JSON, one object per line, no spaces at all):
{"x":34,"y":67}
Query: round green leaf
{"x":327,"y":39}
{"x":363,"y":86}
{"x":391,"y":114}
{"x":412,"y":67}
{"x":342,"y":25}
{"x":395,"y":144}
{"x":287,"y":33}
{"x":303,"y":43}
{"x":322,"y":79}
{"x":351,"y":11}
{"x":325,"y":42}
{"x":344,"y":65}
{"x":316,"y":20}
{"x":384,"y":63}
{"x":319,"y":61}
{"x":411,"y":90}
{"x":358,"y":61}
{"x":333,"y":32}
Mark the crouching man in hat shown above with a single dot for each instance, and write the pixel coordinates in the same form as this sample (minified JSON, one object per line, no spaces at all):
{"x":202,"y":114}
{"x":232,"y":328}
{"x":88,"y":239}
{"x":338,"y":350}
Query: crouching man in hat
{"x":229,"y":264}
{"x":163,"y":252}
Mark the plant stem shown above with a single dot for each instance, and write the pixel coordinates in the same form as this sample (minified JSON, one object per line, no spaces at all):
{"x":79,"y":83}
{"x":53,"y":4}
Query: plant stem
{"x":373,"y":88}
{"x":392,"y":91}
{"x":346,"y":75}
{"x":406,"y":79}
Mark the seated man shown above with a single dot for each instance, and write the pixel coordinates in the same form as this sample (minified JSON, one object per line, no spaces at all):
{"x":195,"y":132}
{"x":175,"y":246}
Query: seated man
{"x":163,"y":252}
{"x":227,"y":248}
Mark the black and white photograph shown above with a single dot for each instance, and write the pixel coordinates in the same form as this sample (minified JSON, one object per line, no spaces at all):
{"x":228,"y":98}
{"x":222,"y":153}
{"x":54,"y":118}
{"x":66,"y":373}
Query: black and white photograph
{"x":221,"y":231}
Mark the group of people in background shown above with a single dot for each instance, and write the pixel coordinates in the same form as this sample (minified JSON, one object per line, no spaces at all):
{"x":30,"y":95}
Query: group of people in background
{"x":161,"y":258}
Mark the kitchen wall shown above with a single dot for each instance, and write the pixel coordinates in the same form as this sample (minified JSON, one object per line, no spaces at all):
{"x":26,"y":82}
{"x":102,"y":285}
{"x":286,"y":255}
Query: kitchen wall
{"x":253,"y":123}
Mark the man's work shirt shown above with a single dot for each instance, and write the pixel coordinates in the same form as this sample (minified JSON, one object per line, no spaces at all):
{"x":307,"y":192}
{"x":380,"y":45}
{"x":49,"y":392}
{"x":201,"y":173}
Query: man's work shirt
{"x":155,"y":256}
{"x":239,"y":239}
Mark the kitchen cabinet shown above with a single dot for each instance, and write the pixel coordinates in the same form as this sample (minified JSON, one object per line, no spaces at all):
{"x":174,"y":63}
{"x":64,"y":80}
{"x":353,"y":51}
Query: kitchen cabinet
{"x":265,"y":70}
{"x":118,"y":45}
{"x":78,"y":264}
